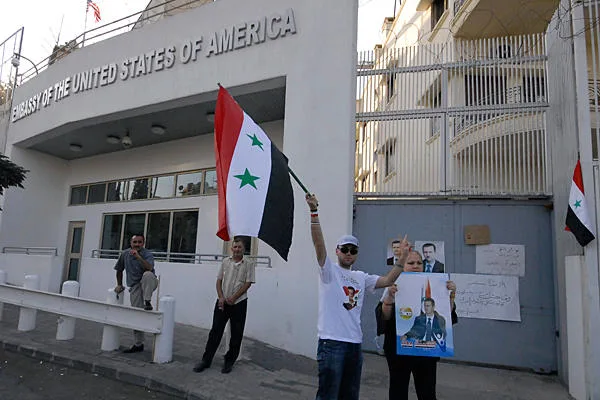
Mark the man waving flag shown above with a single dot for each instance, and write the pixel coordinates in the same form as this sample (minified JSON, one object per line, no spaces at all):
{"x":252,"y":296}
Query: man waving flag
{"x":578,"y":220}
{"x":255,"y":192}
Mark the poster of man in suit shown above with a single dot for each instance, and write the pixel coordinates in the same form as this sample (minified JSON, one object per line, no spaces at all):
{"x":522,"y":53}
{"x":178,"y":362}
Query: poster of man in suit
{"x":433,"y":255}
{"x":422,"y":312}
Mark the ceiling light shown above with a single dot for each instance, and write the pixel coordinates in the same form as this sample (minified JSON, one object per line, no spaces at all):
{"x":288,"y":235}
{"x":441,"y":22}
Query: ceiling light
{"x":113,"y":139}
{"x":158,"y":129}
{"x":75,"y":147}
{"x":210,"y":116}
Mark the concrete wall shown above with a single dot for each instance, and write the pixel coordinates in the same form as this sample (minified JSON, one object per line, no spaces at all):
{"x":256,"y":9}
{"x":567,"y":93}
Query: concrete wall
{"x":318,"y":63}
{"x":49,"y":269}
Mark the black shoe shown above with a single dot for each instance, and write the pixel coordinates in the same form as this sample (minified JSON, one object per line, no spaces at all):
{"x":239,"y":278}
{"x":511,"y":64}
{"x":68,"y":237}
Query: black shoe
{"x":227,"y":368}
{"x":136,"y":348}
{"x":201,"y":366}
{"x":147,"y":305}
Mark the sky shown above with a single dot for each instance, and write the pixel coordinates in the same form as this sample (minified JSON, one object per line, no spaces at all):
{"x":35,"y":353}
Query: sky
{"x":46,"y":23}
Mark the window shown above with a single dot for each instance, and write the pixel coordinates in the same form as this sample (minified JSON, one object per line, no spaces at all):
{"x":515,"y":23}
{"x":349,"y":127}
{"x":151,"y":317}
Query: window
{"x":185,"y":226}
{"x":111,"y":232}
{"x":437,"y":10}
{"x":210,"y":182}
{"x":157,"y":233}
{"x":390,"y":157}
{"x":390,"y":81}
{"x":189,"y":184}
{"x":138,"y":189}
{"x":116,"y":191}
{"x":162,"y":187}
{"x":78,"y":195}
{"x":96,"y":193}
{"x":165,"y":231}
{"x":134,"y":225}
{"x":202,"y":182}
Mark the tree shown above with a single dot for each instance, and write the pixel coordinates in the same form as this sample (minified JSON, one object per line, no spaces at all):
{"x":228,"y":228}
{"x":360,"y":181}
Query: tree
{"x":11,"y":174}
{"x":5,"y":92}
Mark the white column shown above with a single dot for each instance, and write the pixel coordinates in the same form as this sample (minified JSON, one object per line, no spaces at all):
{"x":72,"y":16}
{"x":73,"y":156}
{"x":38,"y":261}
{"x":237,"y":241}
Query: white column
{"x":110,"y":334}
{"x":575,"y":331}
{"x":163,"y":342}
{"x":2,"y":282}
{"x":66,"y":325}
{"x":27,"y":315}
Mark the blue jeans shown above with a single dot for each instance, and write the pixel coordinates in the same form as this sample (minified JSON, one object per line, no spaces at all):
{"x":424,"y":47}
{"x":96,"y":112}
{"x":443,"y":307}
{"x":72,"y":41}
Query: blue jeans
{"x":340,"y":365}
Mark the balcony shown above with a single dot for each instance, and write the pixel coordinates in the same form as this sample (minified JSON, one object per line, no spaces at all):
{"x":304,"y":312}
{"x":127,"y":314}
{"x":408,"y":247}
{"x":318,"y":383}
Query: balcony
{"x":491,"y":18}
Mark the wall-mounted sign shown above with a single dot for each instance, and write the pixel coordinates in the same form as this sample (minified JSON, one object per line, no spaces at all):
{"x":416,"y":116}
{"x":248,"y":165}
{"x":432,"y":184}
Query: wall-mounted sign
{"x":235,"y":37}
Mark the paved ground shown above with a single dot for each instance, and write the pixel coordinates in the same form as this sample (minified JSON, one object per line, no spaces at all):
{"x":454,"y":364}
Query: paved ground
{"x":25,"y":378}
{"x":264,"y":373}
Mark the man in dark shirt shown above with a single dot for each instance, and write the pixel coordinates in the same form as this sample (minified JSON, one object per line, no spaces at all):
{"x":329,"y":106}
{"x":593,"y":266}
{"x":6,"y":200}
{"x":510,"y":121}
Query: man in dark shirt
{"x":138,"y":262}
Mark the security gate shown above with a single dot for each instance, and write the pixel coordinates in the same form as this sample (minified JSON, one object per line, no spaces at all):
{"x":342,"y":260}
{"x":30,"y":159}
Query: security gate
{"x":530,"y":343}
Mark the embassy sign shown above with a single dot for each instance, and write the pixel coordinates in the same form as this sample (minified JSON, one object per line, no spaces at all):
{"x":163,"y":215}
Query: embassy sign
{"x":226,"y":40}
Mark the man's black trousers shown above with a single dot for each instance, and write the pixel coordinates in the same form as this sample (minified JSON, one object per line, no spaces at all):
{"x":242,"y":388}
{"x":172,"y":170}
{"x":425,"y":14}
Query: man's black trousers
{"x":236,"y":314}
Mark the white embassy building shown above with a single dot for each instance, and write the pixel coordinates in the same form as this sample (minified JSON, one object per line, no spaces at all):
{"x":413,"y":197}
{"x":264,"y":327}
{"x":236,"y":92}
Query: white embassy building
{"x":118,"y":139}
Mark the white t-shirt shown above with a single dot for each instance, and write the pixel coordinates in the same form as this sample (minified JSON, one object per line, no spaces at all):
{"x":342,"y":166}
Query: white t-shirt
{"x":340,"y":301}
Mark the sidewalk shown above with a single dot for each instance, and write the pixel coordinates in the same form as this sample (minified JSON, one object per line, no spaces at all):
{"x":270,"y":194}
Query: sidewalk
{"x":263,"y":373}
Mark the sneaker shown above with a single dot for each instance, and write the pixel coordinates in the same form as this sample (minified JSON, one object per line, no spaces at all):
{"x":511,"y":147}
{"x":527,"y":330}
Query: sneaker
{"x":147,"y":305}
{"x":201,"y":366}
{"x":136,"y":348}
{"x":227,"y":368}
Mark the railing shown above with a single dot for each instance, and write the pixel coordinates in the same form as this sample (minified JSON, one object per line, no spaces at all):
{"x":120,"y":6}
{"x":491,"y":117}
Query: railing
{"x":38,"y":251}
{"x":108,"y":30}
{"x":189,"y":258}
{"x":467,"y":118}
{"x":457,"y":5}
{"x":112,"y":314}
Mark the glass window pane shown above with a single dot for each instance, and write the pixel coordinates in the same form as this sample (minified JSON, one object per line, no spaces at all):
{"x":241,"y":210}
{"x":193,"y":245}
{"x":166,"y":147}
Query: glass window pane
{"x":134,"y":225}
{"x":116,"y":191}
{"x":210,"y":182}
{"x":76,"y":240}
{"x":78,"y":195}
{"x":138,"y":189}
{"x":111,"y":232}
{"x":157,"y":234}
{"x":189,"y":184}
{"x":73,"y":273}
{"x":162,"y":186}
{"x":183,"y":236}
{"x":97,"y":193}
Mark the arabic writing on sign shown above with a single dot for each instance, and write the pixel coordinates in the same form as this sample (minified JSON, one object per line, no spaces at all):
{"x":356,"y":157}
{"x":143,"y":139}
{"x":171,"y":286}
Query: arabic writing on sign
{"x":500,"y":259}
{"x":487,"y":296}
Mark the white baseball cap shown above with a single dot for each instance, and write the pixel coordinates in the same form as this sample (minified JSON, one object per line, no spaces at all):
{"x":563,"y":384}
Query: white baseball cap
{"x":347,"y":239}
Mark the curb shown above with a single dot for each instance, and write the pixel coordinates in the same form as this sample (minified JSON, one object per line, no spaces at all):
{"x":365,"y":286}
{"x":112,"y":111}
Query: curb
{"x":102,"y":370}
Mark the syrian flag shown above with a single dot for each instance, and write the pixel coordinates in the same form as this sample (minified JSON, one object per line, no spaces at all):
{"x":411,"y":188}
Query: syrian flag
{"x":255,"y":192}
{"x":578,"y":220}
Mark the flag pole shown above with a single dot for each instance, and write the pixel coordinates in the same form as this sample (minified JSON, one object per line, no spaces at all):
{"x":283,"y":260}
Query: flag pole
{"x":84,"y":24}
{"x":297,"y":180}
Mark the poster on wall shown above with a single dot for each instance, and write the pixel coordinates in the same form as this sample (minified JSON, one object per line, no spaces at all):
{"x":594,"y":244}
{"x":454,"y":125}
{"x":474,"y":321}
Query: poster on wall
{"x":423,"y":319}
{"x":433,"y":254}
{"x":500,"y":259}
{"x":487,"y":296}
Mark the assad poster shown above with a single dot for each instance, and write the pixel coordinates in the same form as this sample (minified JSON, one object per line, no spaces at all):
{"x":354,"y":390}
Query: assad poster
{"x":423,"y":319}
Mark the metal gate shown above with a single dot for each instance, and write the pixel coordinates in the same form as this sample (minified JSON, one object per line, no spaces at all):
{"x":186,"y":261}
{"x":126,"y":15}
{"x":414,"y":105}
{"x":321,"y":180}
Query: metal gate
{"x":467,"y":117}
{"x":530,"y":343}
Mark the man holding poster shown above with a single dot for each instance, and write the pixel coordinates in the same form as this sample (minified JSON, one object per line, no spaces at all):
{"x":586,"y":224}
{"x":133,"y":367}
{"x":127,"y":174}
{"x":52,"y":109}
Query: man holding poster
{"x":415,"y":333}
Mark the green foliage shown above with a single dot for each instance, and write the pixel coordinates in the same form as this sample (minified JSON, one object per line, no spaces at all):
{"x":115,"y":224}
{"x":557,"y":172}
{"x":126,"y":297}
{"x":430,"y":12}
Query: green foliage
{"x":11,"y":174}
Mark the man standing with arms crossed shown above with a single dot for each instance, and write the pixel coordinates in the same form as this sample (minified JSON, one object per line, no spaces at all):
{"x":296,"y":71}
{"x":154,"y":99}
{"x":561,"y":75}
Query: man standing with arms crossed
{"x":339,"y":352}
{"x":138,"y":262}
{"x":235,"y":277}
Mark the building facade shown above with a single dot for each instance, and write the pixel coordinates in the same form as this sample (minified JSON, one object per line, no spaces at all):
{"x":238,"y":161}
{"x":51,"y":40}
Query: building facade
{"x":118,"y":138}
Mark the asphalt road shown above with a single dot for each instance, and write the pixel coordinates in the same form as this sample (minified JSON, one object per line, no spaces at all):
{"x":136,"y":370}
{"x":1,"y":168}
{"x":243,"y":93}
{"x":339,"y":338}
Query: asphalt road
{"x":23,"y":378}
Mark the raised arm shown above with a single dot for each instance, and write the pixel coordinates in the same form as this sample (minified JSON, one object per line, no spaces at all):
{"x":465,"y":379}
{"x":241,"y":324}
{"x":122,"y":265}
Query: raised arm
{"x":315,"y":229}
{"x":394,"y":273}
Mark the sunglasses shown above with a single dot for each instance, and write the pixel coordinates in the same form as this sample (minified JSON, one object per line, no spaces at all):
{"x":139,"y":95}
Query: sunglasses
{"x":415,"y":262}
{"x":346,"y":249}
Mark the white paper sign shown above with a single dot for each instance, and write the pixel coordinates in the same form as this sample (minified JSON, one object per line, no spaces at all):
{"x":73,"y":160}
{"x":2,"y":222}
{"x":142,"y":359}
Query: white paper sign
{"x":500,"y":259}
{"x":487,"y":296}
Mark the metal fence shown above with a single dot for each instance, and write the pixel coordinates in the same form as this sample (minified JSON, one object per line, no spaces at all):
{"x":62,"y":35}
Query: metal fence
{"x":188,"y":258}
{"x":464,"y":118}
